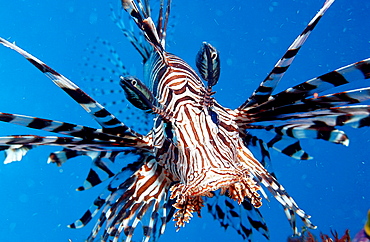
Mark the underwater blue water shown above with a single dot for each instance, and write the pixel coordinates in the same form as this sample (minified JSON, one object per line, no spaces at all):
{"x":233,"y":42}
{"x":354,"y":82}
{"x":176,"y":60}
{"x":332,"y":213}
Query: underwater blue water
{"x":37,"y":200}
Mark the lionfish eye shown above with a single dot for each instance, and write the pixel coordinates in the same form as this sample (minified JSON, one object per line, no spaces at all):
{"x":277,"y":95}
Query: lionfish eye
{"x":137,"y":93}
{"x":214,"y":55}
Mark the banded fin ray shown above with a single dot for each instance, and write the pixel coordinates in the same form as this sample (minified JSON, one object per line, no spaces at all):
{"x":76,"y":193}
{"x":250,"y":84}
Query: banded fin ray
{"x":325,"y":105}
{"x":127,"y":171}
{"x":61,"y":156}
{"x":344,"y":75}
{"x":306,"y":129}
{"x":135,"y":39}
{"x":333,"y":116}
{"x":339,"y":99}
{"x":17,"y":146}
{"x":314,"y":130}
{"x":288,"y":146}
{"x":15,"y":152}
{"x":239,"y":217}
{"x":162,"y":22}
{"x":80,"y":131}
{"x":268,"y":85}
{"x":146,"y":24}
{"x":289,"y":111}
{"x":102,"y":167}
{"x":317,"y":125}
{"x":355,"y":116}
{"x":282,"y":143}
{"x":290,"y":206}
{"x":107,"y":120}
{"x":127,"y":204}
{"x":252,"y":141}
{"x":286,"y":135}
{"x":67,"y":142}
{"x":141,"y":46}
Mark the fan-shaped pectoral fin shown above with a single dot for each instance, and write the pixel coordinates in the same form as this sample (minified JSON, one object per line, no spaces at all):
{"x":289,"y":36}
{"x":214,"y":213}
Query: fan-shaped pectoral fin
{"x":137,"y":194}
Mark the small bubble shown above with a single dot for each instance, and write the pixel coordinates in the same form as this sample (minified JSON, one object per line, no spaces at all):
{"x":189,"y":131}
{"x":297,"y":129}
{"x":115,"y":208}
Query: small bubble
{"x":219,"y":13}
{"x":93,"y":18}
{"x":23,"y":198}
{"x":30,"y":183}
{"x":309,"y":185}
{"x":12,"y":226}
{"x":229,"y":62}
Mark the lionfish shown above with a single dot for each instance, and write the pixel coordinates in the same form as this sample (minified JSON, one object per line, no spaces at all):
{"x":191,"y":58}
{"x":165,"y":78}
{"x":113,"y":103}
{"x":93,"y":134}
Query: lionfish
{"x":198,"y":152}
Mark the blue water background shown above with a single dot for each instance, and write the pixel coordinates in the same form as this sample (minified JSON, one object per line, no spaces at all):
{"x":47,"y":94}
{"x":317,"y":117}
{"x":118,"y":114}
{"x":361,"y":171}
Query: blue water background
{"x":37,"y":200}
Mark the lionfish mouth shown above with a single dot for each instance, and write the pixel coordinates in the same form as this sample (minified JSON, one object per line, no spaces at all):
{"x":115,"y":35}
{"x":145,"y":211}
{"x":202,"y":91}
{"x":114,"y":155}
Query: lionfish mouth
{"x":238,"y":185}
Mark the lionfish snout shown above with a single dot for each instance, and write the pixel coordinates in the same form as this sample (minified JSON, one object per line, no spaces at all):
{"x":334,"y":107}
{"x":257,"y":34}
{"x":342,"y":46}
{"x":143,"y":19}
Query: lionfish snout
{"x":189,"y":196}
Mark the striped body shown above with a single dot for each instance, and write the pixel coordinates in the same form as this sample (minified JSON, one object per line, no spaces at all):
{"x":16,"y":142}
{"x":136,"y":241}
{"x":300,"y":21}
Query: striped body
{"x":198,"y":152}
{"x":189,"y":127}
